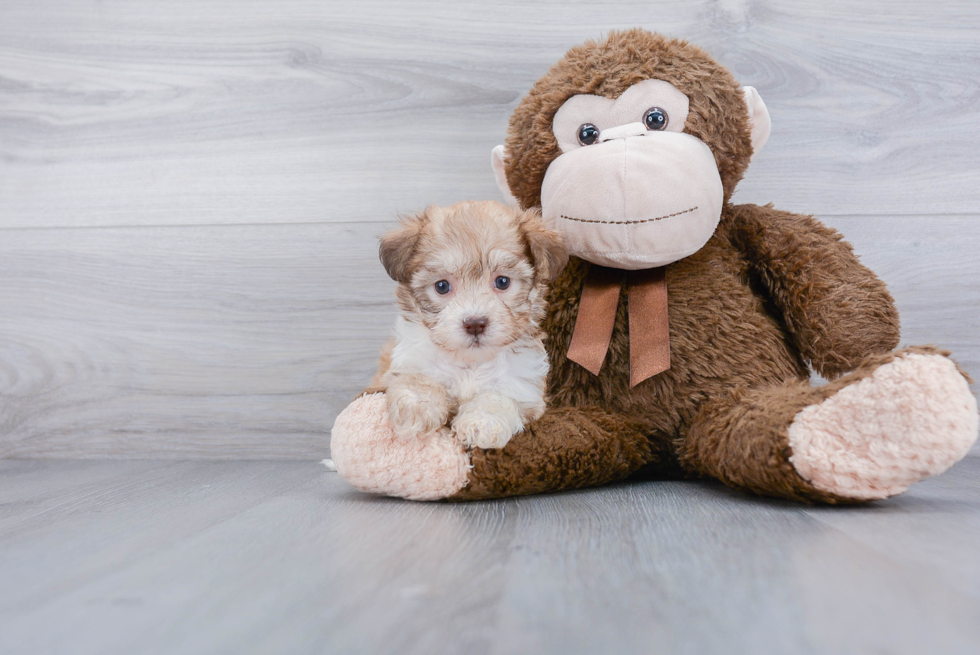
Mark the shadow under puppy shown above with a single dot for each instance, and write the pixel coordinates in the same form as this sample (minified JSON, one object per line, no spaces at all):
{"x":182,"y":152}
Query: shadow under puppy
{"x":467,"y":344}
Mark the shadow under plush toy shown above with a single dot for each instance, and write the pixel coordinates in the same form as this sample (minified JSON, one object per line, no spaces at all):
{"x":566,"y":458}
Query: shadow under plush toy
{"x":681,"y":332}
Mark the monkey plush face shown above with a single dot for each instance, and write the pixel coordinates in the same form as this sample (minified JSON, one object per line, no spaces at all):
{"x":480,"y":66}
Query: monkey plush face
{"x":636,"y":144}
{"x":630,"y":189}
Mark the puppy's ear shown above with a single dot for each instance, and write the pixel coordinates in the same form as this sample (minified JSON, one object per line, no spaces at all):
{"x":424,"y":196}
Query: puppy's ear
{"x":398,"y":246}
{"x":547,"y":247}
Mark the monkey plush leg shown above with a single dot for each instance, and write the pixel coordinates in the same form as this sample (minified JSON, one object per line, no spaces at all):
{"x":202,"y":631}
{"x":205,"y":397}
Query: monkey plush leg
{"x":897,"y":419}
{"x":566,"y":448}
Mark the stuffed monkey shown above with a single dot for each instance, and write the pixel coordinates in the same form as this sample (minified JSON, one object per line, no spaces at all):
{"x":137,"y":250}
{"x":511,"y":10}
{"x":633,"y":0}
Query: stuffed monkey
{"x":682,"y":332}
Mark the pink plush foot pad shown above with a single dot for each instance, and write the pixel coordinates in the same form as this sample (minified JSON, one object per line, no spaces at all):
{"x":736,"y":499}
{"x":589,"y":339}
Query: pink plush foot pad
{"x":912,"y":418}
{"x":370,"y":457}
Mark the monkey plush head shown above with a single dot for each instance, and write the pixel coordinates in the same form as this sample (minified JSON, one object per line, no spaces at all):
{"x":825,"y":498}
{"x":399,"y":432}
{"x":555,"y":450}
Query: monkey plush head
{"x":631,"y":146}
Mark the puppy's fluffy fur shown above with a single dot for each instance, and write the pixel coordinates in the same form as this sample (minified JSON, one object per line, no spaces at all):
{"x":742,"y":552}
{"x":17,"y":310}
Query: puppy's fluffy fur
{"x":482,"y":263}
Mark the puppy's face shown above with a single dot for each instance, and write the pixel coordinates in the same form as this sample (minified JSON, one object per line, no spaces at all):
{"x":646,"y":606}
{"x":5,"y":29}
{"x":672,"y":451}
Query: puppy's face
{"x":474,"y":273}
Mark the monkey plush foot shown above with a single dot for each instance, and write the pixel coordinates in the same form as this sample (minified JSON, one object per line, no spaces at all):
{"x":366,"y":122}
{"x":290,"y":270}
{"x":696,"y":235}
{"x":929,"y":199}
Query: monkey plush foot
{"x":369,"y":455}
{"x":912,"y":417}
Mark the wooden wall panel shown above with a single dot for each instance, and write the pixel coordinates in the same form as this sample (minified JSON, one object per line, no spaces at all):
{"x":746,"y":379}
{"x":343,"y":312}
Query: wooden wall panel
{"x":245,"y":341}
{"x":190,"y":192}
{"x":138,"y":113}
{"x":234,"y":341}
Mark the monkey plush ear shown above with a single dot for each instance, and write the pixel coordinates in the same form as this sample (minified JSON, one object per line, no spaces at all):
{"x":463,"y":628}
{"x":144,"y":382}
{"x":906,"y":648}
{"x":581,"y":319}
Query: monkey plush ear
{"x":398,"y":246}
{"x":497,"y":162}
{"x":759,"y":120}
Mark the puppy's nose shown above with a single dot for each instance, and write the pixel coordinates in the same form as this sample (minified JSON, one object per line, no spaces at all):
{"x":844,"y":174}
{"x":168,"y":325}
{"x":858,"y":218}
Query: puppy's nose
{"x":475,"y":325}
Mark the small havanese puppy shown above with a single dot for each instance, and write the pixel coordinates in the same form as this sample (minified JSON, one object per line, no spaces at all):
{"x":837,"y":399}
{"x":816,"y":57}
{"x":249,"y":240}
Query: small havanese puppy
{"x":467,"y":346}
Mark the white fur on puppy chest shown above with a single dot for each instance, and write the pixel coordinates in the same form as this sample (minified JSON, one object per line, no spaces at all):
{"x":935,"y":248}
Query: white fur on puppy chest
{"x":494,"y":388}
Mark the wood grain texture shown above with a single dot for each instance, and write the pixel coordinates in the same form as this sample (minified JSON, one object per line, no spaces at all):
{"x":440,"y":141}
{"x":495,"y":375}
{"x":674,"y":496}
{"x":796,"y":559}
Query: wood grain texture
{"x":282,"y":557}
{"x":190,"y":192}
{"x":931,"y":268}
{"x":246,"y":341}
{"x":249,"y":112}
{"x":238,"y":341}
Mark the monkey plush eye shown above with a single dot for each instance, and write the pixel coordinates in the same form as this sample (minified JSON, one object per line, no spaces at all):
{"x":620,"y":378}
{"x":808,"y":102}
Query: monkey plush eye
{"x":443,"y":287}
{"x":588,"y":134}
{"x":655,"y":118}
{"x":501,"y":282}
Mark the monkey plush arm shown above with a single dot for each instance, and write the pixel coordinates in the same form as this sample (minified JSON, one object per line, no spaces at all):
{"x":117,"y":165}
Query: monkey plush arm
{"x":837,"y":311}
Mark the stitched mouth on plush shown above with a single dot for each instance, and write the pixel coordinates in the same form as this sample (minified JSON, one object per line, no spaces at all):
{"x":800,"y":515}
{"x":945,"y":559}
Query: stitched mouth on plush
{"x":635,"y":222}
{"x":634,"y":203}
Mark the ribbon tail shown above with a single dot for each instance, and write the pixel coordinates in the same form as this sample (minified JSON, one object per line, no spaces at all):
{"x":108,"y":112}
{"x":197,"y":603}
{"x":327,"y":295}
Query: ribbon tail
{"x":649,"y":327}
{"x":596,"y":317}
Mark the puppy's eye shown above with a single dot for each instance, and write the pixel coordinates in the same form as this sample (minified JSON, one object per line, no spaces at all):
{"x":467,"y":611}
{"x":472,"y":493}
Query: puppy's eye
{"x":501,"y":282}
{"x":655,"y":119}
{"x":588,"y":134}
{"x":443,"y":287}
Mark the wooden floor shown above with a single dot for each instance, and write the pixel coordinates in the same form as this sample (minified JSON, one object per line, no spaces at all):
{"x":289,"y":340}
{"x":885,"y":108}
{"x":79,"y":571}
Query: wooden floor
{"x":283,"y":557}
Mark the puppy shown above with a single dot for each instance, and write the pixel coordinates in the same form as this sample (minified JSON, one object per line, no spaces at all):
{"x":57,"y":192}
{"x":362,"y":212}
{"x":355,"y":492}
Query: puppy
{"x":467,"y":346}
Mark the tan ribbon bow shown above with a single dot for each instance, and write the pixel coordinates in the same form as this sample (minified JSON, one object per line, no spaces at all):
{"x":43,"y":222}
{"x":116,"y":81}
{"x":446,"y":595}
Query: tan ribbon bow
{"x":648,"y":327}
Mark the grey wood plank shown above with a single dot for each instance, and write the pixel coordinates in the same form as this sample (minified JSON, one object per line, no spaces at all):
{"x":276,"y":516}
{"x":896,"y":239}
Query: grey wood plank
{"x":150,"y":509}
{"x":223,"y":342}
{"x":929,"y":530}
{"x":30,"y":487}
{"x":246,"y":341}
{"x":744,"y":575}
{"x":930,"y":265}
{"x":131,"y":113}
{"x":663,"y":567}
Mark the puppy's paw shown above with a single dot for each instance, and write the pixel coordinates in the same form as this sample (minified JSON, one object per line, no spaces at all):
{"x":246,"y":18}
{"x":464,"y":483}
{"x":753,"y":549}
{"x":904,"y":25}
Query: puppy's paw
{"x":487,"y":422}
{"x":416,"y":409}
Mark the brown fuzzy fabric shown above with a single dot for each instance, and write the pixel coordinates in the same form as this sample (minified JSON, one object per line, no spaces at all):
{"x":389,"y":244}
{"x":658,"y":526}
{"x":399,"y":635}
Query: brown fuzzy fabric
{"x":565,"y":449}
{"x":770,"y":293}
{"x":836,"y":310}
{"x":742,"y":438}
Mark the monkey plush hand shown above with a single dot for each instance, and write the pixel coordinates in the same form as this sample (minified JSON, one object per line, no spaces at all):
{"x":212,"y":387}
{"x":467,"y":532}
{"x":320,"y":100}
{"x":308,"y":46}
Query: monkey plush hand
{"x":682,"y":332}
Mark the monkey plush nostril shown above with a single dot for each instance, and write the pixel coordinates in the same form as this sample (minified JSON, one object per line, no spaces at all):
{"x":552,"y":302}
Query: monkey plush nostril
{"x":475,"y":325}
{"x":623,"y":132}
